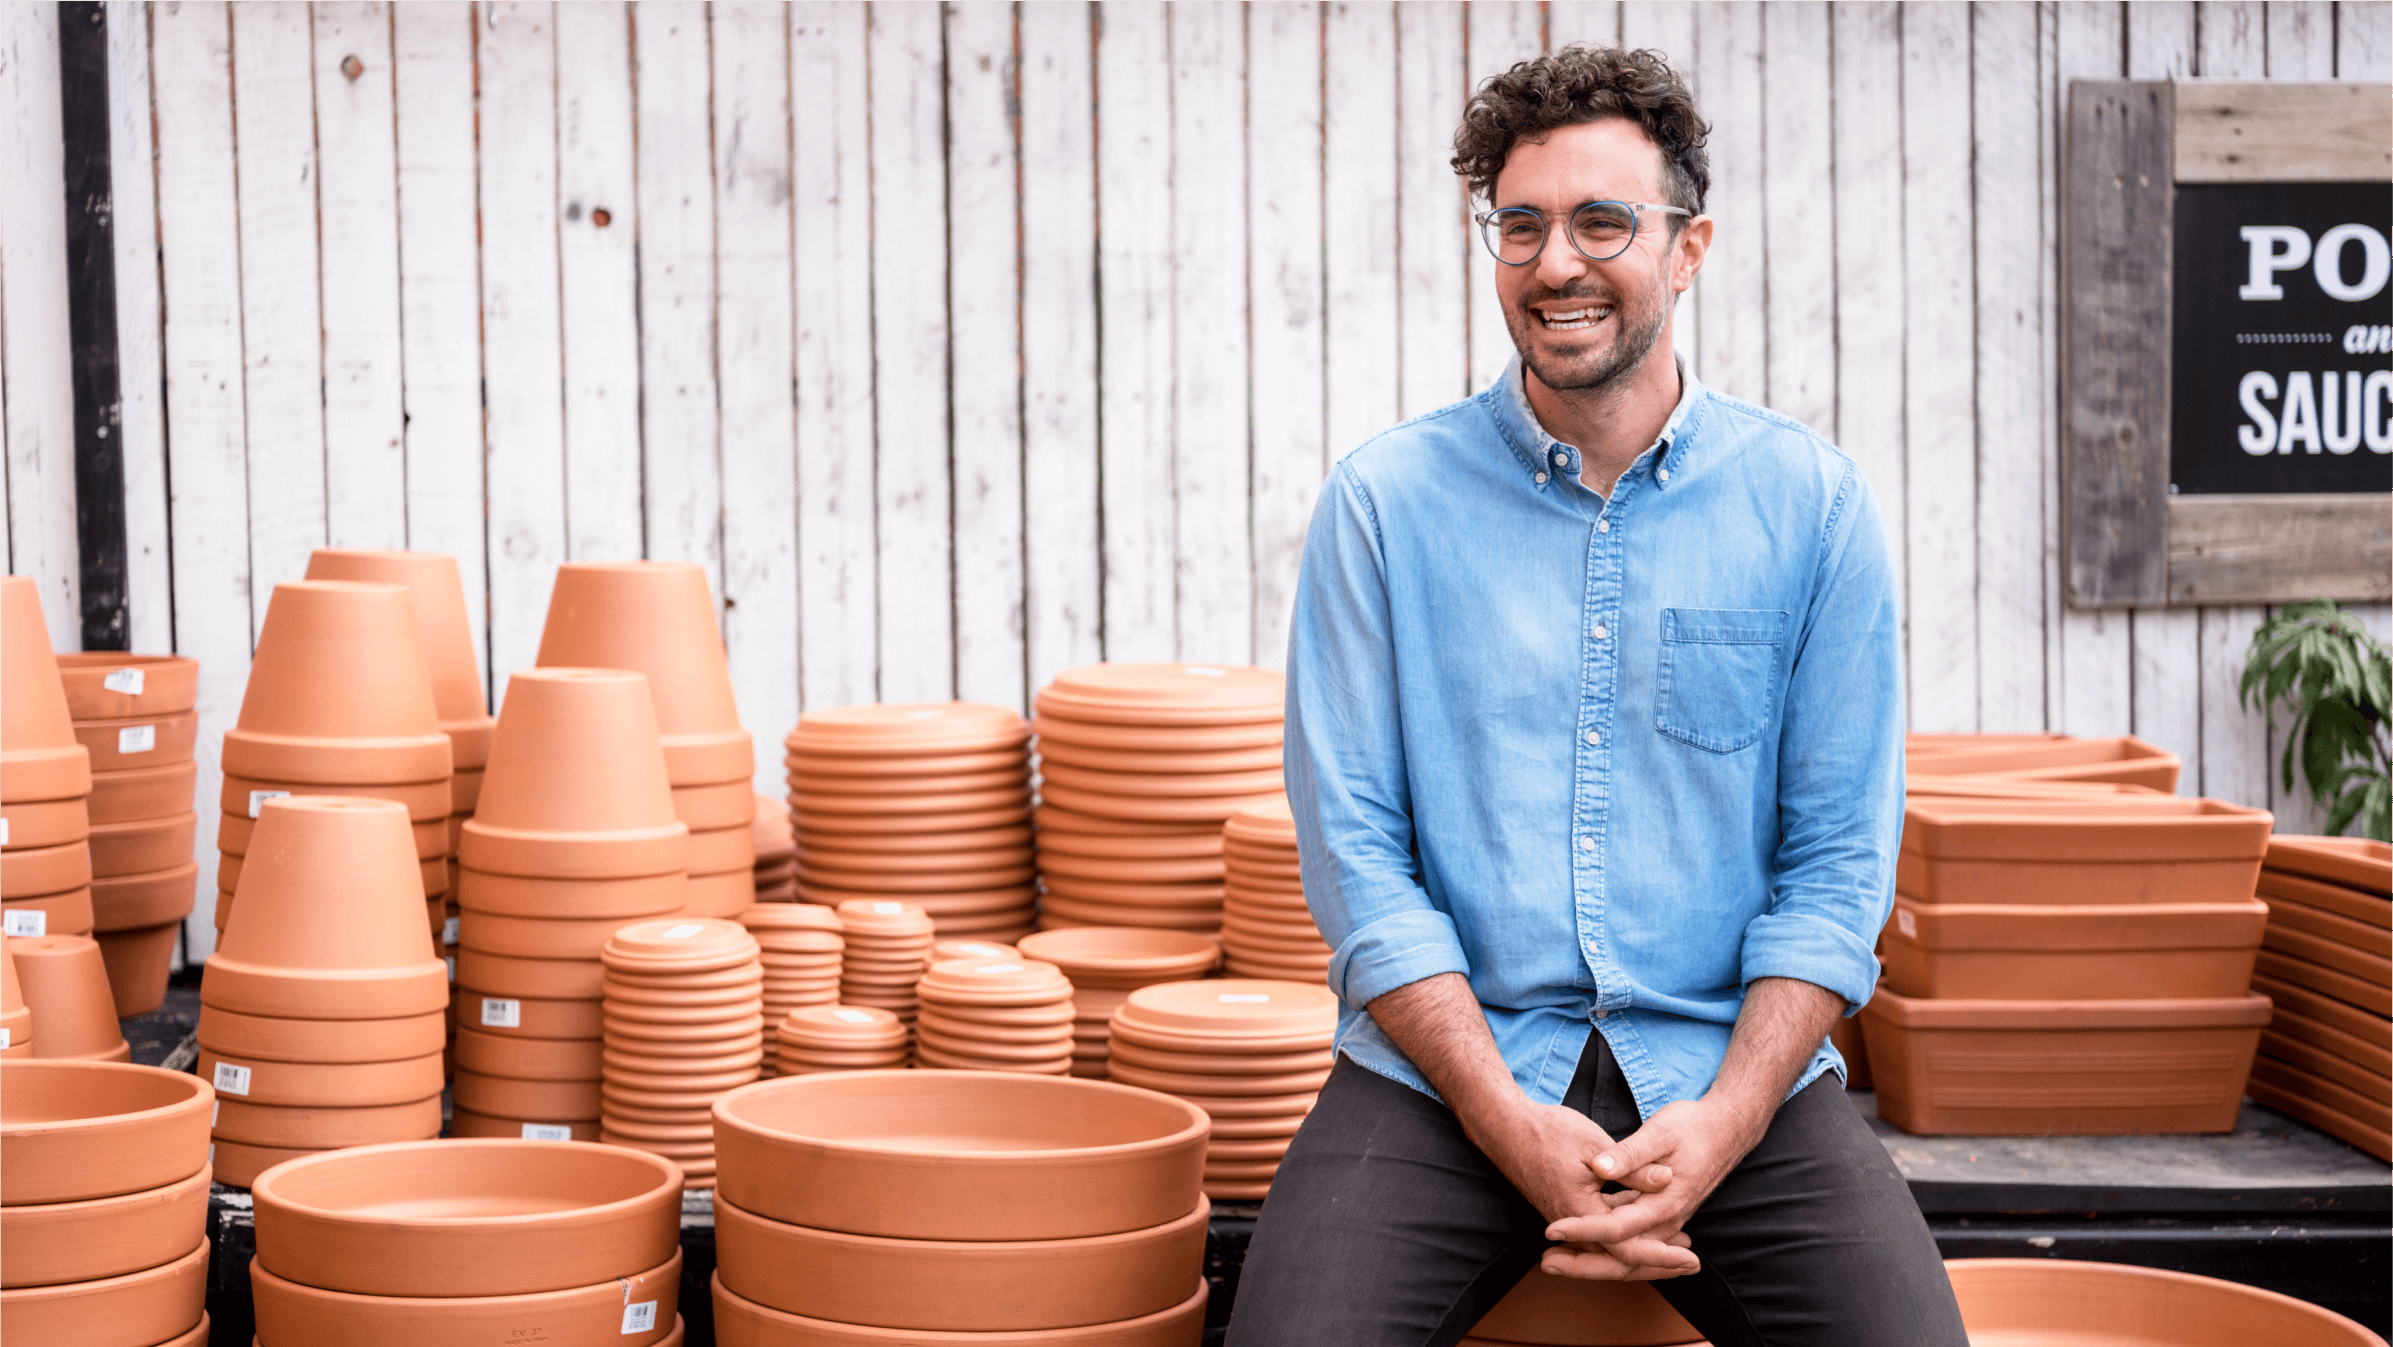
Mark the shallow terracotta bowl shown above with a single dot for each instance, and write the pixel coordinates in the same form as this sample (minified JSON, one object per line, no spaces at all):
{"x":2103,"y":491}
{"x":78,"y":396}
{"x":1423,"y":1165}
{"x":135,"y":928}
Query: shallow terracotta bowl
{"x":73,"y":1131}
{"x":153,"y":1307}
{"x":740,"y":1322}
{"x":2040,"y":1302}
{"x":294,"y":1315}
{"x":59,"y":1242}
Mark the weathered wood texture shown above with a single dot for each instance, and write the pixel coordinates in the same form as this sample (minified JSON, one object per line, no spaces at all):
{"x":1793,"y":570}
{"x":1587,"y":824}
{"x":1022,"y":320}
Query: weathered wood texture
{"x":2258,"y":549}
{"x":2284,"y":132}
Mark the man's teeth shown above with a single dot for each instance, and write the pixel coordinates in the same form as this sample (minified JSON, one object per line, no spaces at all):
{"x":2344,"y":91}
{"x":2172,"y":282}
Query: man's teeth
{"x":1575,"y":319}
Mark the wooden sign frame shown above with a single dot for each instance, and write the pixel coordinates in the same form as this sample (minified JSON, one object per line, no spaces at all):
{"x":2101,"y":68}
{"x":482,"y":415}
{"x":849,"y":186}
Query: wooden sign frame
{"x":2127,"y":541}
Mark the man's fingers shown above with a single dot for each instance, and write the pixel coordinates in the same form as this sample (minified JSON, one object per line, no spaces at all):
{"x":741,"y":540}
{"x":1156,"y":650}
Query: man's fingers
{"x":1641,"y":1148}
{"x":1629,"y":1220}
{"x":1588,"y":1264}
{"x":1649,"y":1179}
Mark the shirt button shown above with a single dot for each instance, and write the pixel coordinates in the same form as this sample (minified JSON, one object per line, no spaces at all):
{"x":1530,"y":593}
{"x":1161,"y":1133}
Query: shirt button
{"x":1586,"y":844}
{"x":1560,"y":458}
{"x":1601,"y":1013}
{"x":1664,"y":474}
{"x":1594,"y":738}
{"x":1541,"y":479}
{"x":1603,"y":526}
{"x":1601,"y":632}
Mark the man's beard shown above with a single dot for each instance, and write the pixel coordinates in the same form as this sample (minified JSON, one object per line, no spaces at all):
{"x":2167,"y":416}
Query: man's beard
{"x":1638,"y":331}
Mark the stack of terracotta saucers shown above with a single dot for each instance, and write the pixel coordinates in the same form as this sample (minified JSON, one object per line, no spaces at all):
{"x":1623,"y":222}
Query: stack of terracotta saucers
{"x":1107,"y":963}
{"x":103,"y":1205}
{"x":926,"y":803}
{"x":339,"y":702}
{"x":684,"y":1025}
{"x":944,"y":950}
{"x":1266,"y":929}
{"x":839,"y":1038}
{"x":133,"y":713}
{"x":799,"y":946}
{"x":64,"y":983}
{"x":888,"y":950}
{"x":776,"y":853}
{"x":16,"y":1020}
{"x":574,"y":837}
{"x":45,"y":780}
{"x":469,"y":1241}
{"x":995,"y":1015}
{"x":657,"y":617}
{"x":2326,"y":961}
{"x":1139,"y":764}
{"x":1253,"y":1054}
{"x":321,"y":1010}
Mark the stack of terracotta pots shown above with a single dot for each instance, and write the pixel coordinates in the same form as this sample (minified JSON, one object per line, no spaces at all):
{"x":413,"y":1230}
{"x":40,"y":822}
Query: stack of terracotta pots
{"x":1139,"y":764}
{"x":45,"y":780}
{"x":103,"y":1204}
{"x":658,"y":618}
{"x":926,"y":803}
{"x":2326,"y":963}
{"x":1253,"y":1054}
{"x":321,"y":1011}
{"x":799,"y":946}
{"x":995,"y":1015}
{"x":888,"y":949}
{"x":839,"y":1038}
{"x":133,"y":713}
{"x":573,"y":837}
{"x":2028,"y":934}
{"x":1550,"y":1311}
{"x":776,"y":852}
{"x":684,"y":1025}
{"x":339,"y":702}
{"x":469,"y":1241}
{"x":957,"y":1207}
{"x":1107,"y":963}
{"x":64,"y":981}
{"x":1267,"y":930}
{"x":16,"y":1020}
{"x":2011,"y":760}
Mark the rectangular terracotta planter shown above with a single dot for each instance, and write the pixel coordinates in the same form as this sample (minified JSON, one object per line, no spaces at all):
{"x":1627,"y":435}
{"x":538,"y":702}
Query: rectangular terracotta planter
{"x":2372,"y":1086}
{"x":2362,"y":863}
{"x":2123,"y":952}
{"x":2341,"y":899}
{"x":2341,"y":1016}
{"x":2294,"y":914}
{"x":2124,"y":760}
{"x":2328,"y":953}
{"x":2296,"y":1079}
{"x":2061,"y":1068}
{"x":2080,"y":852}
{"x":2328,"y":982}
{"x":2286,"y":1089}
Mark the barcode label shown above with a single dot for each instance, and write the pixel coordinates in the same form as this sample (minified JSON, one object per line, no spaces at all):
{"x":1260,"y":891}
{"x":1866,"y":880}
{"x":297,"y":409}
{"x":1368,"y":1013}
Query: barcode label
{"x":232,"y":1079}
{"x":1907,"y":923}
{"x":136,"y":738}
{"x":640,"y":1318}
{"x":501,"y":1014}
{"x":258,"y":798}
{"x":127,"y":681}
{"x":26,"y":921}
{"x":448,"y":931}
{"x":547,"y":1132}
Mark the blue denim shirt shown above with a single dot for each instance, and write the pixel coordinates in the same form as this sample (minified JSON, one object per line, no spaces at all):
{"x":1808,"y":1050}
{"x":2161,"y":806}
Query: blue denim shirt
{"x":1610,"y":759}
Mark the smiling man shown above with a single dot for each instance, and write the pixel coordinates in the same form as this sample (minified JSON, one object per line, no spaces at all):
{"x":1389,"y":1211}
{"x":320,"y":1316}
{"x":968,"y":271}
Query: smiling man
{"x":1594,"y":741}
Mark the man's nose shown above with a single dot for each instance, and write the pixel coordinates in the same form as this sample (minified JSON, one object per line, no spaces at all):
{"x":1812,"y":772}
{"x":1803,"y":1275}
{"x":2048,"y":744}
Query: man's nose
{"x":1560,"y":263}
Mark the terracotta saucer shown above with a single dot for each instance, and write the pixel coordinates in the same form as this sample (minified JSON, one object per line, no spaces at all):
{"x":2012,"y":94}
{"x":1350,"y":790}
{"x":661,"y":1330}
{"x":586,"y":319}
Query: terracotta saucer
{"x":892,"y":790}
{"x":162,"y":1305}
{"x":920,"y":727}
{"x":795,"y":920}
{"x":794,"y":1061}
{"x":1226,"y":1087}
{"x":998,"y":982}
{"x":995,"y":1040}
{"x":1173,"y":1040}
{"x":1163,"y":693}
{"x":945,"y":909}
{"x":1231,"y":1006}
{"x":1248,"y":966}
{"x":1260,"y":757}
{"x":904,"y":883}
{"x":1050,"y":817}
{"x":726,"y":1079}
{"x":1194,"y":808}
{"x":631,"y":1066}
{"x":894,"y":860}
{"x":678,"y":944}
{"x":933,"y":1056}
{"x":295,"y":1128}
{"x":744,"y":1323}
{"x":867,"y":922}
{"x":1222,"y":1063}
{"x":1057,"y":724}
{"x":696,"y":1133}
{"x":75,"y":1131}
{"x":59,"y":1242}
{"x":1188,"y":870}
{"x":1159,"y":784}
{"x":1224,"y":1151}
{"x":935,"y":839}
{"x":1055,"y":911}
{"x":820,"y":809}
{"x":1267,"y":1126}
{"x":633,"y":976}
{"x":805,"y":762}
{"x":1040,"y":1017}
{"x":1137,"y":894}
{"x":1297,"y":942}
{"x":1096,"y":957}
{"x":1240,"y":1171}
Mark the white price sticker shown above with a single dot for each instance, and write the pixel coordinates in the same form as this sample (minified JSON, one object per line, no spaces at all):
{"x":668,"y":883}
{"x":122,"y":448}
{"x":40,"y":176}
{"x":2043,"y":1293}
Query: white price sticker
{"x":3,"y":832}
{"x":1246,"y":998}
{"x":996,"y":970}
{"x":127,"y":681}
{"x":232,"y":1079}
{"x":852,"y":1016}
{"x":1202,"y":671}
{"x":136,"y":738}
{"x":888,"y":907}
{"x":6,"y":1042}
{"x":451,"y":961}
{"x":683,"y":931}
{"x":501,"y":1014}
{"x":547,"y":1132}
{"x":258,"y":798}
{"x":640,"y":1318}
{"x":448,"y":931}
{"x":1908,"y":924}
{"x":215,"y":1116}
{"x":25,"y":921}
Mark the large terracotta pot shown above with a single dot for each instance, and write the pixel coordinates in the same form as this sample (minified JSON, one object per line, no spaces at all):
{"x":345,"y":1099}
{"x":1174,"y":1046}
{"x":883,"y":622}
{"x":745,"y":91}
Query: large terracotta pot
{"x":65,"y":984}
{"x":74,"y":1131}
{"x":338,"y":691}
{"x":143,"y":846}
{"x":292,"y":1315}
{"x":1550,"y":1311}
{"x":289,"y":952}
{"x":138,"y":1309}
{"x":39,"y":757}
{"x":58,"y":1242}
{"x":139,"y":741}
{"x":132,"y":902}
{"x":37,"y":872}
{"x":2059,"y":1302}
{"x":2136,"y":951}
{"x":67,"y":913}
{"x":261,"y":1080}
{"x":623,"y":900}
{"x":966,"y":1155}
{"x":740,"y":1322}
{"x":553,"y":978}
{"x":437,"y":590}
{"x":576,"y":787}
{"x":265,"y":1038}
{"x":138,"y":963}
{"x":527,"y":1017}
{"x":658,"y":618}
{"x":112,"y":685}
{"x":306,"y":1128}
{"x":143,"y":792}
{"x":467,"y":1218}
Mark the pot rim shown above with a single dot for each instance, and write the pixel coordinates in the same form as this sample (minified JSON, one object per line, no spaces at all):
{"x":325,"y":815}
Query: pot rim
{"x":263,"y":1191}
{"x":1197,"y":1216}
{"x":670,"y":1269}
{"x":202,"y":1094}
{"x":1201,"y":1126}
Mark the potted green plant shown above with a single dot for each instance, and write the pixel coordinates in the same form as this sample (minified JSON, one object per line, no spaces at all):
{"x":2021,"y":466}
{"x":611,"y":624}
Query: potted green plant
{"x":2338,"y":681}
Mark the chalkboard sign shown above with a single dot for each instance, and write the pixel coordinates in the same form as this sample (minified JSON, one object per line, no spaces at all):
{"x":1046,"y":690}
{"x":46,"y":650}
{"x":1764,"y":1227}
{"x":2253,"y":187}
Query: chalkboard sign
{"x":2282,"y":348}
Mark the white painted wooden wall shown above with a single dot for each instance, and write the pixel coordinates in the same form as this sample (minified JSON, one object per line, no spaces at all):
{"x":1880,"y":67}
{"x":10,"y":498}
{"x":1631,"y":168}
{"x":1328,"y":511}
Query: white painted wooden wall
{"x":964,"y":344}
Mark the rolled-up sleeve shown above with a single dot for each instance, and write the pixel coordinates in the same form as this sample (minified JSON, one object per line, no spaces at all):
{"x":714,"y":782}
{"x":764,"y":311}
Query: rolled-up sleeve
{"x":1346,"y":765}
{"x":1840,"y":769}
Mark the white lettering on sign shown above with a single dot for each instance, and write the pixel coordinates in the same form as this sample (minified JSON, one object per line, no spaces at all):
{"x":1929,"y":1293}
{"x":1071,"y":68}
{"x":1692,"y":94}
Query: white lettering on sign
{"x":2335,"y":412}
{"x":258,"y":798}
{"x":25,"y":921}
{"x":136,"y":738}
{"x":501,"y":1014}
{"x":2270,"y":249}
{"x":127,"y":681}
{"x":547,"y":1132}
{"x":232,"y":1079}
{"x":2362,"y":339}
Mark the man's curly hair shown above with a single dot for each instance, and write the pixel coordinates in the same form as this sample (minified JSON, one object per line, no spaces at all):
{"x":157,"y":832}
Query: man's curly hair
{"x":1586,"y":84}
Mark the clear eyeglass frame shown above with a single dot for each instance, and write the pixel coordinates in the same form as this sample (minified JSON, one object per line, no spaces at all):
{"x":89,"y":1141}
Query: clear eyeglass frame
{"x":1491,"y":224}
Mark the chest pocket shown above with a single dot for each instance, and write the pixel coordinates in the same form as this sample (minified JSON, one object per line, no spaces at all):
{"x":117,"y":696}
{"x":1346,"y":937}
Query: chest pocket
{"x":1719,"y":676}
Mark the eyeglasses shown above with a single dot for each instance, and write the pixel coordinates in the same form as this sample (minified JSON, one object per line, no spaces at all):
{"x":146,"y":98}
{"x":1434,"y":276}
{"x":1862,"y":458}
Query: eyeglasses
{"x":1600,"y":230}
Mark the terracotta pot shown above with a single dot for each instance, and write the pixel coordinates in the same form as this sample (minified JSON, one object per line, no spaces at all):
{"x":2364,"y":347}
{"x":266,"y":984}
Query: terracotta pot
{"x":138,"y":1309}
{"x":2351,"y":905}
{"x":430,"y":836}
{"x":111,"y":685}
{"x":75,"y":1131}
{"x":1565,"y":1311}
{"x":138,"y":848}
{"x":285,"y":1127}
{"x":535,"y":937}
{"x":909,"y":730}
{"x":716,"y":850}
{"x":289,"y":953}
{"x":57,"y":914}
{"x":16,"y":1021}
{"x":574,"y":1059}
{"x":572,"y":899}
{"x":479,"y":1126}
{"x":338,"y":690}
{"x":557,"y":979}
{"x":246,"y":1037}
{"x":437,"y":591}
{"x":723,"y":895}
{"x":2352,"y":1033}
{"x":46,"y":823}
{"x":722,"y":804}
{"x":2083,"y":1068}
{"x":527,"y":1017}
{"x":932,"y":850}
{"x":2123,"y":760}
{"x":2058,"y":1300}
{"x":39,"y":757}
{"x":59,"y":1242}
{"x":1166,"y":694}
{"x":137,"y":963}
{"x":35,"y":872}
{"x":740,"y":1322}
{"x":576,"y":787}
{"x":238,"y":1164}
{"x":506,"y":1097}
{"x":143,"y":792}
{"x":655,"y":617}
{"x":2080,"y":852}
{"x":65,"y":985}
{"x":290,"y":1314}
{"x":2131,"y":952}
{"x":141,"y":741}
{"x":261,"y":1080}
{"x":426,"y":801}
{"x":2361,"y":863}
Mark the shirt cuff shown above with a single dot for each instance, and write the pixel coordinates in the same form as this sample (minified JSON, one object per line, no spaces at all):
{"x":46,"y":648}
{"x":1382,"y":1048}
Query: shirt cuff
{"x":1395,"y":951}
{"x":1814,"y":950}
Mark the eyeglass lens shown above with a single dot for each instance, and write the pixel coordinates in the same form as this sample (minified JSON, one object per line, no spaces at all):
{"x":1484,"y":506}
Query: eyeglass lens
{"x":1600,"y":230}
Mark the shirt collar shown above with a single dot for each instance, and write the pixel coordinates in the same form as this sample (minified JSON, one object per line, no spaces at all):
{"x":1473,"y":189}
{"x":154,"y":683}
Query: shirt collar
{"x":1548,"y":458}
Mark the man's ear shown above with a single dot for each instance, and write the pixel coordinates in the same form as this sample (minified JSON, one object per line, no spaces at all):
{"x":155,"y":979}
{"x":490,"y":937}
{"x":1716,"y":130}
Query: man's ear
{"x":1693,"y":244}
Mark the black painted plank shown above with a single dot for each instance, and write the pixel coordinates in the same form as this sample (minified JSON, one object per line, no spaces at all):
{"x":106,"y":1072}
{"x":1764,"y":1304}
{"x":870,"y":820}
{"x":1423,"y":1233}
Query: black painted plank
{"x":91,"y":324}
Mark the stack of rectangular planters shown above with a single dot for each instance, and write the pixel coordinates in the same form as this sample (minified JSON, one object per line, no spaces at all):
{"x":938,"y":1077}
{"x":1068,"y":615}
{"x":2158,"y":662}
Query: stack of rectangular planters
{"x":2070,"y":966}
{"x":45,"y":780}
{"x":2324,"y":963}
{"x":133,"y":713}
{"x":2013,"y":760}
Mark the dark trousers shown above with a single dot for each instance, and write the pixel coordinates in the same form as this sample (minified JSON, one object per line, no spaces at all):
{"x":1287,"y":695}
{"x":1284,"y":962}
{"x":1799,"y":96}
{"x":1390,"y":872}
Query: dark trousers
{"x":1387,"y":1227}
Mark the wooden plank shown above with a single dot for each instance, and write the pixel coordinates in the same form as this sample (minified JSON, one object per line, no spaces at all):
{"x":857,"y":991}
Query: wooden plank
{"x":2160,"y":40}
{"x":1592,"y":23}
{"x":1733,"y":341}
{"x":34,"y":336}
{"x":984,"y":309}
{"x":84,"y":115}
{"x":2301,"y":42}
{"x":2280,"y":549}
{"x":1500,"y":33}
{"x":754,"y":352}
{"x":365,"y":461}
{"x":1134,"y":269}
{"x":2234,"y":758}
{"x":1358,"y":222}
{"x":140,"y":425}
{"x":1063,"y":609}
{"x":1432,"y":209}
{"x":681,"y":449}
{"x":2284,"y":132}
{"x":1798,"y":218}
{"x":2364,"y":40}
{"x":1939,"y":307}
{"x":1669,"y":28}
{"x":597,"y":237}
{"x":2231,"y":39}
{"x":1284,"y":281}
{"x":837,"y":642}
{"x":440,"y":302}
{"x":913,"y":486}
{"x":1867,"y":185}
